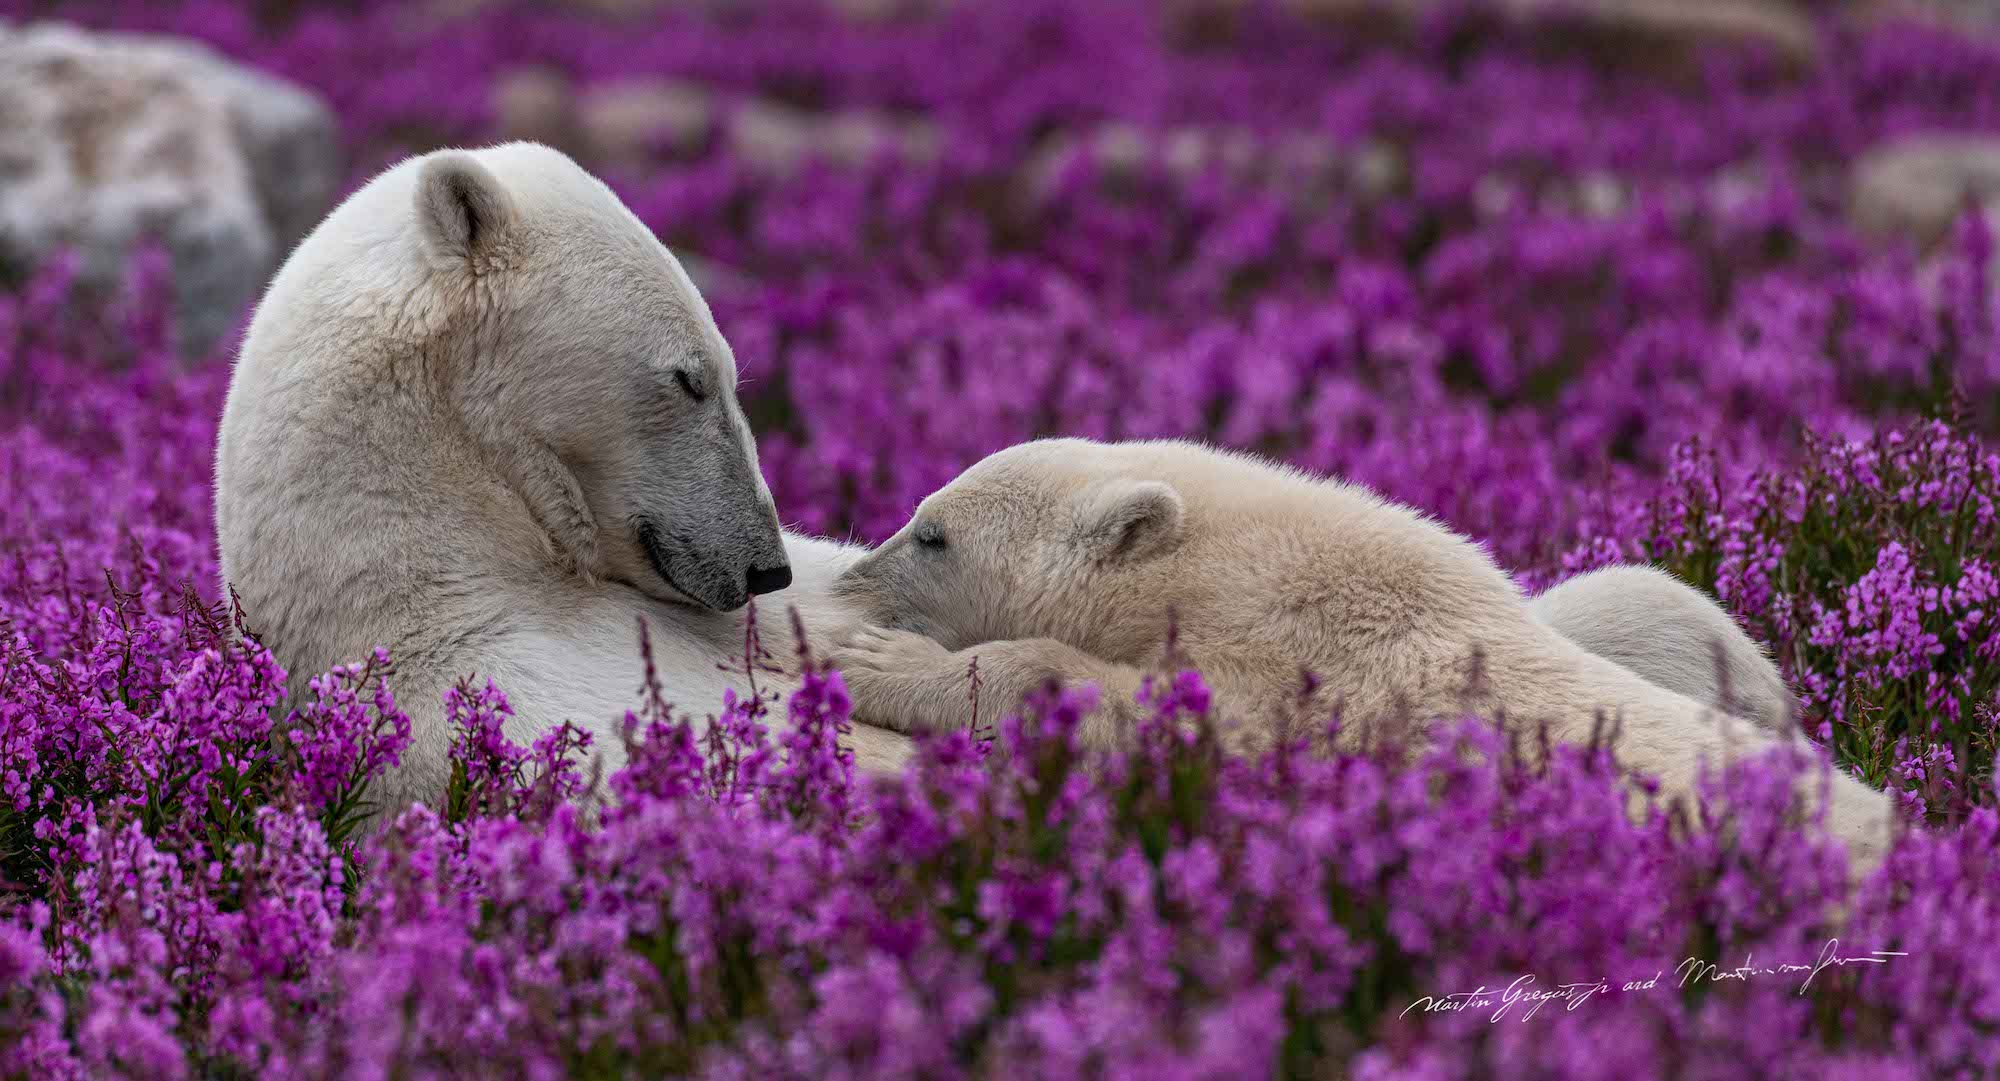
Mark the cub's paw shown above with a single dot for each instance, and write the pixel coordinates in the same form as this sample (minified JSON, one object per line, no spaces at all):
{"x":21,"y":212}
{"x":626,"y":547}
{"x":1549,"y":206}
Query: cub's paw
{"x":898,"y":679}
{"x":869,"y":648}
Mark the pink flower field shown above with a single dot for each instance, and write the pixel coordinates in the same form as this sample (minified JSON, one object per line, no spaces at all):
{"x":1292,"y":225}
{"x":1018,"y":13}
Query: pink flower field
{"x":1586,"y":301}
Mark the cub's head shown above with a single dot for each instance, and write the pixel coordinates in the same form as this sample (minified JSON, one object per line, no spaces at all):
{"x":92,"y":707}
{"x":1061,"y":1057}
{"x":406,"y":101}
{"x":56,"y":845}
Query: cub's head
{"x":1043,"y":539}
{"x":564,"y":344}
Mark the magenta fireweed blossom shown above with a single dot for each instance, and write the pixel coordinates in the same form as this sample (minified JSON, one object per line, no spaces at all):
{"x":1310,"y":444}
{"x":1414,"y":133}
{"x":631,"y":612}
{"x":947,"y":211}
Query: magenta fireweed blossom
{"x":1869,"y":570}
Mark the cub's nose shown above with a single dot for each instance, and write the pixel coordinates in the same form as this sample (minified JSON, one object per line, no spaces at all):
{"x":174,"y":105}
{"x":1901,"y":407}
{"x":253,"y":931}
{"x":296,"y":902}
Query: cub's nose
{"x":768,"y":579}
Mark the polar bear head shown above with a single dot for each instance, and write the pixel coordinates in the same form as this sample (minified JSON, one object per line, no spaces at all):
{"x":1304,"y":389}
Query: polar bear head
{"x":1043,"y":539}
{"x":505,"y":300}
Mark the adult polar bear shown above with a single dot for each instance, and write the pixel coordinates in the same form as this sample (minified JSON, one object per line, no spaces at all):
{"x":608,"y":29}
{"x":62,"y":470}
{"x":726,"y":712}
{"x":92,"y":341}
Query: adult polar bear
{"x":493,"y":425}
{"x":483,"y":417}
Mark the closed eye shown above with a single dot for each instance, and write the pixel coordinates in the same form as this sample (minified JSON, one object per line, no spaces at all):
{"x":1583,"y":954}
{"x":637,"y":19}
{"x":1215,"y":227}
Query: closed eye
{"x":688,"y":385}
{"x":930,"y":535}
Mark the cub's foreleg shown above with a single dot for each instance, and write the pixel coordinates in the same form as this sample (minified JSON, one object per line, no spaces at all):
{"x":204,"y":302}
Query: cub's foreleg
{"x":910,"y":683}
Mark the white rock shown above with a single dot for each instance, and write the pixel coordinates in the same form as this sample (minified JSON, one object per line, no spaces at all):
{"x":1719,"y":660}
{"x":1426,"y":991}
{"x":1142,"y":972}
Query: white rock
{"x":1303,"y":166}
{"x":1917,"y":186}
{"x":536,"y":105}
{"x":288,"y":136}
{"x":629,"y":122}
{"x":108,"y":139}
{"x":1659,"y":32}
{"x":779,"y":138}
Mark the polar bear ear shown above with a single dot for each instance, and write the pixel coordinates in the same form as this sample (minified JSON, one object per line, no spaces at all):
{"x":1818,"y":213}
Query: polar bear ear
{"x":1130,"y":519}
{"x":463,"y":209}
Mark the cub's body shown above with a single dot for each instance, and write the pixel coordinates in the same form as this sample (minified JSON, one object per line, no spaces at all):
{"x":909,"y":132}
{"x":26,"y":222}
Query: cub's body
{"x":1071,"y":560}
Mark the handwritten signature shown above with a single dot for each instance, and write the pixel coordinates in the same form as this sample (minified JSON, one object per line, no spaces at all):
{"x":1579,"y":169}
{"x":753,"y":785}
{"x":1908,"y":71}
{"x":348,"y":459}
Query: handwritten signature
{"x":1523,"y":996}
{"x":1693,"y":971}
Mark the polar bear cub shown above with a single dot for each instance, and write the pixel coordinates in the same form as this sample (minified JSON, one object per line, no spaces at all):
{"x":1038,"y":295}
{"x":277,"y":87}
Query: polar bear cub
{"x":1070,"y":560}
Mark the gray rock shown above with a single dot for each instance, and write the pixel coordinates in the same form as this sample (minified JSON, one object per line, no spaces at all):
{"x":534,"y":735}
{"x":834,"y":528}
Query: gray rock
{"x":1966,"y":16}
{"x":1917,"y":186}
{"x":1663,"y":34}
{"x":1305,"y":168}
{"x":856,"y":11}
{"x":537,"y":105}
{"x":289,"y":137}
{"x":1683,"y":27}
{"x":110,"y":139}
{"x":634,"y":121}
{"x":778,"y":138}
{"x":629,"y":122}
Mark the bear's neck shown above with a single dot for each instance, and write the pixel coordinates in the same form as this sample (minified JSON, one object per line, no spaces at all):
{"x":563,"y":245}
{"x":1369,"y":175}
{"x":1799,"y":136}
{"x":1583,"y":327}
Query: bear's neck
{"x":1202,"y":596}
{"x":1133,"y":611}
{"x":437,"y":494}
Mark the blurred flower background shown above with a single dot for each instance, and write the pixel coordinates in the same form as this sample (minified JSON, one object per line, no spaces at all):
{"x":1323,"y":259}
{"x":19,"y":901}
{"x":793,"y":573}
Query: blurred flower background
{"x":1707,"y":283}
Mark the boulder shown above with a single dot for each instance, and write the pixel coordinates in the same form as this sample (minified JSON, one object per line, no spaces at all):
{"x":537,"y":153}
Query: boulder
{"x":290,"y":139}
{"x":1651,"y":33}
{"x":779,"y":138}
{"x":1304,"y":167}
{"x":107,"y":140}
{"x":628,"y":122}
{"x":1963,"y":16}
{"x":1675,"y":30}
{"x":856,"y":11}
{"x":1917,"y":186}
{"x":537,"y":105}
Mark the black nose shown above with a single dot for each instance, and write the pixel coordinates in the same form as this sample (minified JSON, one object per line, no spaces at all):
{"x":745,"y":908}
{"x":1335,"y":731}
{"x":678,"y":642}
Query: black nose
{"x":768,"y":579}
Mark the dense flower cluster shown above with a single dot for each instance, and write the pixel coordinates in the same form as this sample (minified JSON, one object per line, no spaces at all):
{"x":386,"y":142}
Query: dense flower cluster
{"x":1584,"y":313}
{"x":1166,"y":912}
{"x":1869,"y":570}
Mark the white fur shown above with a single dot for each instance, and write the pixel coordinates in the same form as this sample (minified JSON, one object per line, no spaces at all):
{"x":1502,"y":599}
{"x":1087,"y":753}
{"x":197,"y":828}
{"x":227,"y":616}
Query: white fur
{"x":1672,"y":635}
{"x":457,"y":403}
{"x":1263,"y":573}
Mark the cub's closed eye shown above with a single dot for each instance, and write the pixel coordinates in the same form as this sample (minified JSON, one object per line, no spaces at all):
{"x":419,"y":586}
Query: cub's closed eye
{"x":930,"y":535}
{"x":688,"y":385}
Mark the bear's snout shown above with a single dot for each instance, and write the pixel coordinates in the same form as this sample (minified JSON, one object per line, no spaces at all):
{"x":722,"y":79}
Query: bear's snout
{"x":762,"y":580}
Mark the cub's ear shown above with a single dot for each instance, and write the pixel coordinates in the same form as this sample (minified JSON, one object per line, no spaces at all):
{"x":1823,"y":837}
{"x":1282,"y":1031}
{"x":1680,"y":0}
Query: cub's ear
{"x":1130,"y":519}
{"x":464,"y":211}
